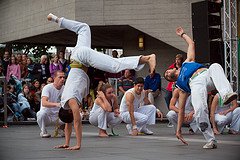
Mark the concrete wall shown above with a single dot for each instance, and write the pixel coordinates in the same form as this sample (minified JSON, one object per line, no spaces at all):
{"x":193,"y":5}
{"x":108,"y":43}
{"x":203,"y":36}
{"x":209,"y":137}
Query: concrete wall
{"x":26,"y":18}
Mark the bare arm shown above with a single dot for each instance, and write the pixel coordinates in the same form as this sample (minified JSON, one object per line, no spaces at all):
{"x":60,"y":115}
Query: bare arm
{"x":146,"y":100}
{"x":129,"y":102}
{"x":48,"y":104}
{"x":173,"y":101}
{"x":181,"y":105}
{"x":103,"y":102}
{"x":213,"y":108}
{"x":191,"y":46}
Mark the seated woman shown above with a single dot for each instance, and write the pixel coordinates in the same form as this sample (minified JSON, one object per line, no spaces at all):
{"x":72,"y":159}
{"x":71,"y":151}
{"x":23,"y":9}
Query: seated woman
{"x":105,"y":111}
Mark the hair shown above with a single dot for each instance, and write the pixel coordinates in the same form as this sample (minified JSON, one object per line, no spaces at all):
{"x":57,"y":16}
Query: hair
{"x":65,"y":115}
{"x":56,"y":73}
{"x":103,"y":86}
{"x":179,"y":56}
{"x":139,"y":80}
{"x":164,"y":75}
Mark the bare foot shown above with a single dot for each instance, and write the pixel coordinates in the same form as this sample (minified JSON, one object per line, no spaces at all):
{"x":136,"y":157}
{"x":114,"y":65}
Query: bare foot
{"x":179,"y":136}
{"x":102,"y":133}
{"x":61,"y":146}
{"x":73,"y":148}
{"x":152,"y":62}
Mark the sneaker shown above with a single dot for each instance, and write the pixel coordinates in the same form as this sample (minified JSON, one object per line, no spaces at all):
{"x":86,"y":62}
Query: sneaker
{"x":146,"y":131}
{"x":45,"y":135}
{"x":129,"y":128}
{"x":169,"y":125}
{"x":210,"y":145}
{"x":52,"y":17}
{"x":229,"y":98}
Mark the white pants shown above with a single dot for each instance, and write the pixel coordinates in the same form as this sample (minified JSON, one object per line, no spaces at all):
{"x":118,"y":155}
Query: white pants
{"x":213,"y":78}
{"x":173,"y":118}
{"x":87,"y":56}
{"x":102,"y":119}
{"x":232,"y":118}
{"x":143,"y":115}
{"x":46,"y":118}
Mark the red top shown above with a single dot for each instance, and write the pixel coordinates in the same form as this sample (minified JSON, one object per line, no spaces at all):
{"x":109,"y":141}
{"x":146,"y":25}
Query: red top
{"x":170,"y":84}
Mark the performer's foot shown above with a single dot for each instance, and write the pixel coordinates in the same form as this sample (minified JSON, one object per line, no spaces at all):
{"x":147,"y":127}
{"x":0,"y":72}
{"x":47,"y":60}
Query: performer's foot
{"x":52,"y":17}
{"x":62,"y":146}
{"x":73,"y":148}
{"x":102,"y":133}
{"x":152,"y":62}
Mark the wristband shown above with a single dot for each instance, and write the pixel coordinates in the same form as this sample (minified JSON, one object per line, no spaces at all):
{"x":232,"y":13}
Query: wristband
{"x":134,"y":127}
{"x":182,"y":34}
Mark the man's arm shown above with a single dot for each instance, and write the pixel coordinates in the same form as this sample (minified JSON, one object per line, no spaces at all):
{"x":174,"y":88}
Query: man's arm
{"x":181,"y":105}
{"x":173,"y":100}
{"x":47,"y":104}
{"x":213,"y":108}
{"x":191,"y":47}
{"x":129,"y":102}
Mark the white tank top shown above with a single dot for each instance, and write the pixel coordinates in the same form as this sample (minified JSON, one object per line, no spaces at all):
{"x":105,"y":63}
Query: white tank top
{"x":138,"y":100}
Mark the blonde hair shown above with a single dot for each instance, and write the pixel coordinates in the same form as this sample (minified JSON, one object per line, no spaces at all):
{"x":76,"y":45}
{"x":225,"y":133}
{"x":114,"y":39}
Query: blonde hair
{"x":103,"y":86}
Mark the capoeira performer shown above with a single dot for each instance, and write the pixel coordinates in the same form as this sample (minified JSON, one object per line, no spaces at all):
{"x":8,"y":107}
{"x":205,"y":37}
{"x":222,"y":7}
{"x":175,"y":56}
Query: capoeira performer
{"x":189,"y":118}
{"x":222,"y":115}
{"x":137,"y":111}
{"x":196,"y":79}
{"x":50,"y":104}
{"x":105,"y":111}
{"x":77,"y":84}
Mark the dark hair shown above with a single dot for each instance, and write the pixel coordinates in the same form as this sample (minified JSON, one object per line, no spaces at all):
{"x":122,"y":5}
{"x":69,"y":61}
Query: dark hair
{"x":170,"y":80}
{"x":65,"y":115}
{"x":139,"y":80}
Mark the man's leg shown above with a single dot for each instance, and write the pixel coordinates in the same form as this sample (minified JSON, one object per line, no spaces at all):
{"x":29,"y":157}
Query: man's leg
{"x":172,"y":118}
{"x":43,"y":120}
{"x":221,"y":83}
{"x":235,"y":124}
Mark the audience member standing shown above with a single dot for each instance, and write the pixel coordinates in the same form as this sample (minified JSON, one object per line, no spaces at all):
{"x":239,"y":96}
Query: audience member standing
{"x":55,"y":66}
{"x":13,"y":69}
{"x":41,"y":70}
{"x":63,"y":61}
{"x":5,"y":62}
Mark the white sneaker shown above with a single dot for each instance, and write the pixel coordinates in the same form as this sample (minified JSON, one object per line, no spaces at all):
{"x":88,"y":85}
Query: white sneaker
{"x":45,"y":135}
{"x":210,"y":145}
{"x":229,"y":98}
{"x":146,"y":131}
{"x":169,"y":125}
{"x":129,"y":128}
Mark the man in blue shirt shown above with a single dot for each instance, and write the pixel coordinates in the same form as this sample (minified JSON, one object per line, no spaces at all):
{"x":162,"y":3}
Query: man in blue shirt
{"x":195,"y":79}
{"x":152,"y":84}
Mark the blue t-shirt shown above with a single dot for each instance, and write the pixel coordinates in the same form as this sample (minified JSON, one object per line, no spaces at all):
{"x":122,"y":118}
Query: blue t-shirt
{"x":153,"y":83}
{"x":186,"y":72}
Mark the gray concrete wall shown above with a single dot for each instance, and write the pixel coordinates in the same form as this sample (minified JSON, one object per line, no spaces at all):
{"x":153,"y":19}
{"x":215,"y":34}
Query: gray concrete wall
{"x":158,"y":18}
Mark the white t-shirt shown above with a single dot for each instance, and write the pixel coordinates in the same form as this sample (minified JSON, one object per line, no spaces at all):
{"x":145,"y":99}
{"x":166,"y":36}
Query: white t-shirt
{"x":53,"y":94}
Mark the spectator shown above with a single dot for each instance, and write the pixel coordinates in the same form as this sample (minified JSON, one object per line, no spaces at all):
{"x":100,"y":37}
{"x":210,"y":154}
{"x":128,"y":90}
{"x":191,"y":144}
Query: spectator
{"x":30,"y":70}
{"x":13,"y":69}
{"x":55,"y":66}
{"x":152,"y":84}
{"x":37,"y":99}
{"x":87,"y":106}
{"x":105,"y":110}
{"x":50,"y":104}
{"x":124,"y":83}
{"x":63,"y":61}
{"x":41,"y":70}
{"x":5,"y":62}
{"x":23,"y":67}
{"x":50,"y":80}
{"x":25,"y":108}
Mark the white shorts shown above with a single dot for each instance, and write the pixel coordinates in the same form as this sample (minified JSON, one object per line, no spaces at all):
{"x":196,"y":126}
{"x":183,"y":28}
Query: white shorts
{"x":77,"y":87}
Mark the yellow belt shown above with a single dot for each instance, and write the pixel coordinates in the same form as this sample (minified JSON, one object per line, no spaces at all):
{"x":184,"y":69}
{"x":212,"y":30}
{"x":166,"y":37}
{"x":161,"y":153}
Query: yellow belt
{"x":194,"y":76}
{"x":76,"y":64}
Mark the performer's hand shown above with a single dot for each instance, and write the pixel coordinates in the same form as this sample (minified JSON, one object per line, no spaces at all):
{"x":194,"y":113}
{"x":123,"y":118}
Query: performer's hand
{"x":134,"y":132}
{"x":179,"y":31}
{"x":116,"y":112}
{"x":159,"y":114}
{"x":215,"y":131}
{"x":179,"y":136}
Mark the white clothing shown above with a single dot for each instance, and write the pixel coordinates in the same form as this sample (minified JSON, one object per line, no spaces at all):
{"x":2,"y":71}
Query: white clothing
{"x":232,"y":118}
{"x":102,"y":119}
{"x":213,"y":78}
{"x":49,"y":116}
{"x":82,"y":53}
{"x":173,"y":116}
{"x":143,"y":114}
